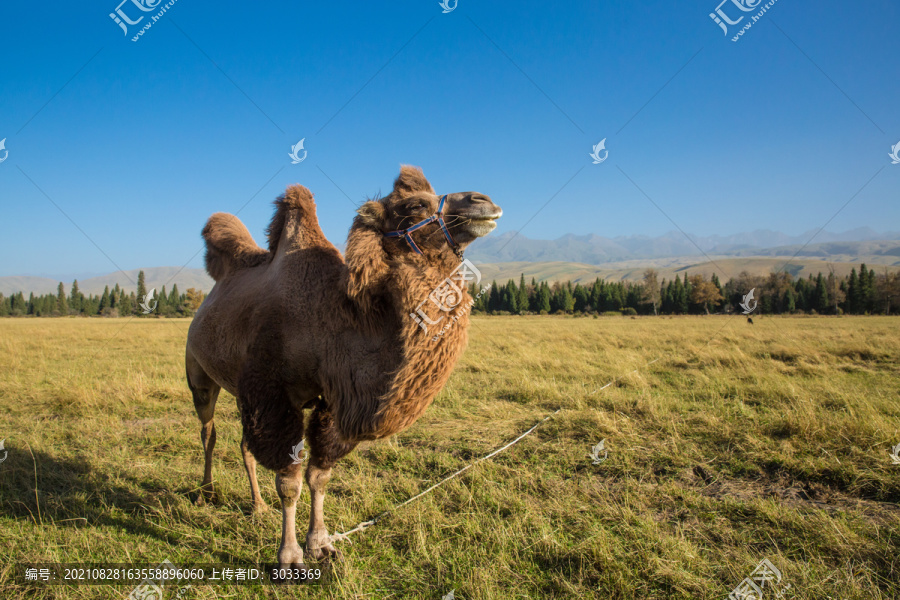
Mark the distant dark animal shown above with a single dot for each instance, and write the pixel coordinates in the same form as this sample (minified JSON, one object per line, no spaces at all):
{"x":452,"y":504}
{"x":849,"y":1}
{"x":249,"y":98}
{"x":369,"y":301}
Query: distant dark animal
{"x":750,"y":320}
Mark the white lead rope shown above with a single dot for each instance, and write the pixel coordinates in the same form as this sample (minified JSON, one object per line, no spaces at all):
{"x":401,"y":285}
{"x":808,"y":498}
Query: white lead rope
{"x":343,"y":536}
{"x":337,"y":537}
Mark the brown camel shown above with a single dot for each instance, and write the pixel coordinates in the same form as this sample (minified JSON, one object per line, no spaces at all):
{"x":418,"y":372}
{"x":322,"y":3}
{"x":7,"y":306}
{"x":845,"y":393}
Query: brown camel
{"x":299,"y":327}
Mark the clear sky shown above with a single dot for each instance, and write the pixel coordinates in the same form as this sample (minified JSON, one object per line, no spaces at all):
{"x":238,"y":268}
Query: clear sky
{"x":139,"y":142}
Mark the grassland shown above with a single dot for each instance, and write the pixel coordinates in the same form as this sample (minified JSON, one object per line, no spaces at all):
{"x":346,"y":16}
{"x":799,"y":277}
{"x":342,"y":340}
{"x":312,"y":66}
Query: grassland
{"x":741,"y":442}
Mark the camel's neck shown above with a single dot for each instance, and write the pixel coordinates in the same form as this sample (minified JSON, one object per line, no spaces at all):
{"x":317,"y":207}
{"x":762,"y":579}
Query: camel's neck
{"x":429,"y":306}
{"x":433,"y":333}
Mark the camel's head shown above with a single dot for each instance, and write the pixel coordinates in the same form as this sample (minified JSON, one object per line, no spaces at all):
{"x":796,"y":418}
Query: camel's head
{"x":466,"y":215}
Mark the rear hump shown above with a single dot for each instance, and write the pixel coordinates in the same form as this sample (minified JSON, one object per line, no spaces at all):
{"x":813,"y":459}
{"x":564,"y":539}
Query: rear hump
{"x":229,"y":246}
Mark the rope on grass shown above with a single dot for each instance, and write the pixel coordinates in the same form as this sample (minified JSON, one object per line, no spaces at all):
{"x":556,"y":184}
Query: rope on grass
{"x":623,"y":376}
{"x":336,"y":537}
{"x":343,"y":536}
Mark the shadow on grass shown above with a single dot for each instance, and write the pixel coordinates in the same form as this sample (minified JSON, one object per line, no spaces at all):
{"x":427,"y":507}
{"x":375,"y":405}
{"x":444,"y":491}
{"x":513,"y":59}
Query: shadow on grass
{"x":71,"y":493}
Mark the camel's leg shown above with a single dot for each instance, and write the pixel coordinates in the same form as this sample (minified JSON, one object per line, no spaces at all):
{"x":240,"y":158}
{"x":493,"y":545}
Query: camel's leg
{"x":289,"y":483}
{"x":326,"y":448}
{"x":259,"y":505}
{"x":205,"y":392}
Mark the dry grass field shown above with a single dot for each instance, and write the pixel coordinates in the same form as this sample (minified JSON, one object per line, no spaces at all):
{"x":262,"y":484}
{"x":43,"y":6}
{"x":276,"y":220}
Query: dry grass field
{"x":740,"y":443}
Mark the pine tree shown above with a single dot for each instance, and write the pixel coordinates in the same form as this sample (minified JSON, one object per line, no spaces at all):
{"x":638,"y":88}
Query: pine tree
{"x":820,"y":296}
{"x":582,"y":299}
{"x":594,"y":300}
{"x":511,"y":297}
{"x":104,"y":300}
{"x":174,"y":300}
{"x":543,"y":304}
{"x":789,"y":303}
{"x":62,"y":304}
{"x":126,"y":305}
{"x":141,"y":288}
{"x":853,"y":293}
{"x":523,"y":295}
{"x":76,"y":298}
{"x":866,"y":289}
{"x":162,"y":303}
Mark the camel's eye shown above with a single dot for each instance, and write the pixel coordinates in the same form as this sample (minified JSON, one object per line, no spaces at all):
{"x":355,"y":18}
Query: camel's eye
{"x":416,"y":206}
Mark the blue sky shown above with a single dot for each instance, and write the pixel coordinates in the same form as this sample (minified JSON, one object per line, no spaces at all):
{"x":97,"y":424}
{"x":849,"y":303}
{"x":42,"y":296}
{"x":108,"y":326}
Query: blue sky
{"x":139,"y":142}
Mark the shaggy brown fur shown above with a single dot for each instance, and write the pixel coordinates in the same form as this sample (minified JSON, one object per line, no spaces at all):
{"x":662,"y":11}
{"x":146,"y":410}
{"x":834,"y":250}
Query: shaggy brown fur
{"x":299,"y":327}
{"x":229,"y":246}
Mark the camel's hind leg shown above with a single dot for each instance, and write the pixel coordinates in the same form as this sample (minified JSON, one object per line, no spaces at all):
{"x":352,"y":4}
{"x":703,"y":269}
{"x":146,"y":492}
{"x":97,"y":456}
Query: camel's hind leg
{"x":326,"y":448}
{"x":205,"y":392}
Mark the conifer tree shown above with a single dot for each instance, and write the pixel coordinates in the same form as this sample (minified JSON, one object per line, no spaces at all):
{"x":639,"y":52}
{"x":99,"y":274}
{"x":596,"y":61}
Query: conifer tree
{"x":522,"y":301}
{"x":62,"y":304}
{"x":820,"y":296}
{"x":104,"y":300}
{"x":141,"y":288}
{"x":853,"y":292}
{"x":162,"y":303}
{"x":76,"y":298}
{"x":543,"y":304}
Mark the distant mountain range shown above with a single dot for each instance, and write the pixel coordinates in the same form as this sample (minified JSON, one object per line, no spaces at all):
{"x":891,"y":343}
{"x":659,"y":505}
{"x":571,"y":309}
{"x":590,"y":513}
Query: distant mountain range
{"x":597,"y":250}
{"x":585,"y":257}
{"x":155,"y":277}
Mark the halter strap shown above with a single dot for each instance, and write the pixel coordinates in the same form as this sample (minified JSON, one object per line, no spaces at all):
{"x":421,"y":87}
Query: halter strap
{"x":438,"y":216}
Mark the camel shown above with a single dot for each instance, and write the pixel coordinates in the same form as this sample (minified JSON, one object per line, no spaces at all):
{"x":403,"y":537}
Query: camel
{"x":299,"y":327}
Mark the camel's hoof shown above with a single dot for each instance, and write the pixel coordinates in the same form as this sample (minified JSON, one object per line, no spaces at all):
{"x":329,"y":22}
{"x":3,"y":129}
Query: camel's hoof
{"x":326,"y":552}
{"x":259,"y":508}
{"x":206,"y":496}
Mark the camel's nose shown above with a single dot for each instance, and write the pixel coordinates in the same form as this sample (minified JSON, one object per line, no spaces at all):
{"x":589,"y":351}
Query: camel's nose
{"x":476,"y":198}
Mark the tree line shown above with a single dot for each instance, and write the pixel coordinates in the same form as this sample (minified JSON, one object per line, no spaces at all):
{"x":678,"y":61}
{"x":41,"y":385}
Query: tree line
{"x":863,"y":292}
{"x":115,"y":302}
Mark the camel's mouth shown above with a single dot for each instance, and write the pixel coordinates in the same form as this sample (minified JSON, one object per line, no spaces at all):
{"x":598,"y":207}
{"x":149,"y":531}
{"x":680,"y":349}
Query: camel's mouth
{"x":478,"y":225}
{"x":482,"y":226}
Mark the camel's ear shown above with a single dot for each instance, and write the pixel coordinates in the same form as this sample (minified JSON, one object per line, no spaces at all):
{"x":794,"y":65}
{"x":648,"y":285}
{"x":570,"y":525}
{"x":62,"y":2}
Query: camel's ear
{"x":411,"y":180}
{"x":365,"y":257}
{"x":371,"y":214}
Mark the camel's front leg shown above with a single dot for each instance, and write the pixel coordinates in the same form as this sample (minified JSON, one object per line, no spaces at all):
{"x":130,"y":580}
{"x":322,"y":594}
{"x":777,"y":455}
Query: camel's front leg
{"x":289,"y":484}
{"x":326,"y":448}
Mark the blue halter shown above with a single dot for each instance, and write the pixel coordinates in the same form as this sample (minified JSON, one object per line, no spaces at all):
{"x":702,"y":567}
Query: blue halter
{"x":438,"y":216}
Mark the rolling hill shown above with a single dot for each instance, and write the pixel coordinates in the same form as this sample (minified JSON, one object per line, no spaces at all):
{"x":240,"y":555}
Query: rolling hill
{"x":584,"y":258}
